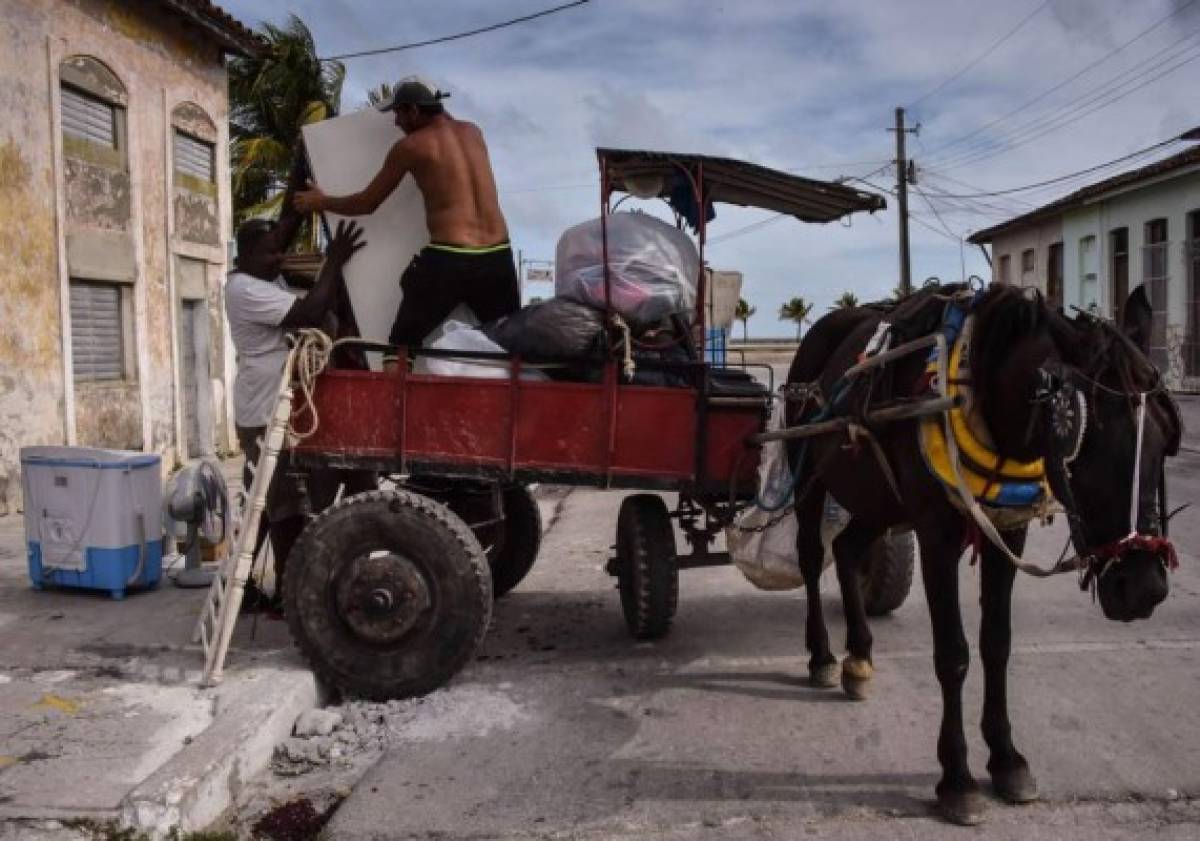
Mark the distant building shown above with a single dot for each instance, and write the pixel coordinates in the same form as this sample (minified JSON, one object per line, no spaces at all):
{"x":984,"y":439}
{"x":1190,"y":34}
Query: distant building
{"x":114,"y":219}
{"x":1090,"y":249}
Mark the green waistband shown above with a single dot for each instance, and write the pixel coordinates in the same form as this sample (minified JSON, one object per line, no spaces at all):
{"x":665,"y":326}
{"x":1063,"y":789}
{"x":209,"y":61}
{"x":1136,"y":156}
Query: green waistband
{"x":470,"y":249}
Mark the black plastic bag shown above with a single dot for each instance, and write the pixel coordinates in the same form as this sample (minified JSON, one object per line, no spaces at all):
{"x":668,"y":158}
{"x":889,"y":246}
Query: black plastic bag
{"x":556,"y":329}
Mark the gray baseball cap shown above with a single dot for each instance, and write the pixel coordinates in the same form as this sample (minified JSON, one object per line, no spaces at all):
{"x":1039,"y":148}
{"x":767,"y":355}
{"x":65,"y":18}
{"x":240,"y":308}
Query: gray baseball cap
{"x":412,"y":90}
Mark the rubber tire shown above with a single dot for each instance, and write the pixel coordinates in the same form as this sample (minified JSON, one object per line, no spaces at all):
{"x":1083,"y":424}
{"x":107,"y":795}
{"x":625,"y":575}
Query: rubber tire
{"x":888,"y":576}
{"x":647,"y":573}
{"x":514,"y":554}
{"x":452,"y":562}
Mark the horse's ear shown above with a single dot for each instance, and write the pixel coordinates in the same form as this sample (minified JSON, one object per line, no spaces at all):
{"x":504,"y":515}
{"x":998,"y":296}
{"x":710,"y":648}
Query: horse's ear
{"x":1136,"y":319}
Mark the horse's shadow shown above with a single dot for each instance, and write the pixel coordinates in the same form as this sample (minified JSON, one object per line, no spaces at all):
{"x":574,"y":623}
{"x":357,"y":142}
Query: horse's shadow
{"x":767,"y":686}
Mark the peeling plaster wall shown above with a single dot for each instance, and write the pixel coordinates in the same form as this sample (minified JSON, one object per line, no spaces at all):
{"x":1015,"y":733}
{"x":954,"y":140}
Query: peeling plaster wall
{"x":48,"y":188}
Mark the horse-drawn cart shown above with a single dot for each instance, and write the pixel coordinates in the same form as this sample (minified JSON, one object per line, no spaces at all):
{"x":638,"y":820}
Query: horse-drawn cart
{"x":389,"y":593}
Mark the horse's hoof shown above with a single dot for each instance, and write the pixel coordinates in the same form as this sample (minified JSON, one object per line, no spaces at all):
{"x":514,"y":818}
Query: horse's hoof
{"x":856,"y":678}
{"x":965,"y":808}
{"x":1015,"y":786}
{"x":825,"y":676}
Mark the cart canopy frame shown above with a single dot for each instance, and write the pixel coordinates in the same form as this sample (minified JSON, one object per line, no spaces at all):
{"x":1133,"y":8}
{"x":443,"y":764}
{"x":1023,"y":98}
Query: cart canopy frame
{"x":731,"y":181}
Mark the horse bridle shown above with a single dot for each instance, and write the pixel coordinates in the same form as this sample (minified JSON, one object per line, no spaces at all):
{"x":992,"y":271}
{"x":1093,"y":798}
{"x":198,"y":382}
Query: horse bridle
{"x":1063,"y":408}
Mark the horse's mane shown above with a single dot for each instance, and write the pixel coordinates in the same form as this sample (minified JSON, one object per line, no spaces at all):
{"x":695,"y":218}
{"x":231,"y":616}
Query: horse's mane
{"x":1004,"y":316}
{"x":1099,"y":349}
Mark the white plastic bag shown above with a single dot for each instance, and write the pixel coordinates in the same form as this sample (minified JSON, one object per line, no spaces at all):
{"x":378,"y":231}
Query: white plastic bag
{"x":768,"y":558}
{"x":653,"y":267}
{"x":454,"y":334}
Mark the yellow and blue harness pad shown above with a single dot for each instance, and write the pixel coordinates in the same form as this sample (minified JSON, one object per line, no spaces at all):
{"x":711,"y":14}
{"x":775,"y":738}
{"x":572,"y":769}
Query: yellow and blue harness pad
{"x":1012,"y":484}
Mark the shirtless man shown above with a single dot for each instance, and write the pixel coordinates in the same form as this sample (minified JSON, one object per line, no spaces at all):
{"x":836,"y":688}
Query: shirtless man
{"x":469,"y":259}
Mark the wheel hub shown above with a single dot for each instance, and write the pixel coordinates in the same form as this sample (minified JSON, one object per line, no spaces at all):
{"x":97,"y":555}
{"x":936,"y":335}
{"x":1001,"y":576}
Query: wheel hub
{"x":382,"y":596}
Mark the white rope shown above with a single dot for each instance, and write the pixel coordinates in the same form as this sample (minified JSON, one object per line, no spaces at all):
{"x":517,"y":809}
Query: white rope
{"x":627,"y":363}
{"x":1135,"y":496}
{"x":311,"y":349}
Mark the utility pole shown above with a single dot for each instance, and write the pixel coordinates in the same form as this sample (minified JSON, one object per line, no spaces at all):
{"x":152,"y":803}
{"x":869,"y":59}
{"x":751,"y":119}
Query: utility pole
{"x":902,"y":199}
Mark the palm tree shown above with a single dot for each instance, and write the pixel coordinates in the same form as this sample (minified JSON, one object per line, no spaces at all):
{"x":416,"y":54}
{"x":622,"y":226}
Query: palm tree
{"x":270,"y":97}
{"x":796,"y":310}
{"x":848,"y":300}
{"x":742,"y":313}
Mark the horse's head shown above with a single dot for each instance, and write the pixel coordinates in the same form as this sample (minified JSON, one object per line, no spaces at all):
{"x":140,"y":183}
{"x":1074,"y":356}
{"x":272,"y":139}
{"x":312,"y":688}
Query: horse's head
{"x":1107,"y":424}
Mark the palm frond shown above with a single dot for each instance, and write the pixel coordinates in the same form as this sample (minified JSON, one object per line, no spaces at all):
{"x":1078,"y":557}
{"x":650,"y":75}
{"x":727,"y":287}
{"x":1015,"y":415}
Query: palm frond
{"x":271,"y":97}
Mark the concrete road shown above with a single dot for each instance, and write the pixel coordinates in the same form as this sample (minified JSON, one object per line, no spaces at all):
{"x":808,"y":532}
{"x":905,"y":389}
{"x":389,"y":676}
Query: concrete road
{"x":565,"y":728}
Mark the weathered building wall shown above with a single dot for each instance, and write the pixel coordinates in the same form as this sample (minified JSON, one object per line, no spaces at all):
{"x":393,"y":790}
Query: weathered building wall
{"x":1172,"y":199}
{"x":69,"y":209}
{"x":1013,"y":244}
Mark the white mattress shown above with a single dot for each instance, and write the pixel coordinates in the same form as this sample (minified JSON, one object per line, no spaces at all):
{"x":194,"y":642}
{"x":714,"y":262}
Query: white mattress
{"x":345,"y":153}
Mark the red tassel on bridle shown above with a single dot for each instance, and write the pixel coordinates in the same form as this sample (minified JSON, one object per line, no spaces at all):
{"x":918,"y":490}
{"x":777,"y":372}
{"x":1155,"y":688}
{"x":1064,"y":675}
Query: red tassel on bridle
{"x":1160,"y":546}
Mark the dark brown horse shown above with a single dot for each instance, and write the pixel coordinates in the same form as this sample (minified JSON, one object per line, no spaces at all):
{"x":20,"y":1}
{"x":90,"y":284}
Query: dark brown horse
{"x":1028,"y":367}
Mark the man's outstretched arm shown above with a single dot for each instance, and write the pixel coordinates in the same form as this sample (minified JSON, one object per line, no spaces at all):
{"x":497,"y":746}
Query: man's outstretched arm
{"x":365,"y":201}
{"x":310,"y":310}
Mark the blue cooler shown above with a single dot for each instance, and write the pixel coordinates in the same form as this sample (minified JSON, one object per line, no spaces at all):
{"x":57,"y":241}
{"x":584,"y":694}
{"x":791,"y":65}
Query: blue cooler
{"x":93,"y":518}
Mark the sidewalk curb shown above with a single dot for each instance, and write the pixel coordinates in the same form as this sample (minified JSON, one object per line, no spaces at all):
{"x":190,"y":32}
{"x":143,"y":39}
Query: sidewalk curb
{"x":252,"y":715}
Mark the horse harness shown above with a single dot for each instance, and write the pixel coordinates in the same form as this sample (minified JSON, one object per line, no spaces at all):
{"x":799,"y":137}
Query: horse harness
{"x":1010,"y":489}
{"x":1063,"y":409}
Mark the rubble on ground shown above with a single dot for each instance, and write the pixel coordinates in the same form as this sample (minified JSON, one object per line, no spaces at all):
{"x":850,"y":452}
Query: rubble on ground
{"x":356,"y":732}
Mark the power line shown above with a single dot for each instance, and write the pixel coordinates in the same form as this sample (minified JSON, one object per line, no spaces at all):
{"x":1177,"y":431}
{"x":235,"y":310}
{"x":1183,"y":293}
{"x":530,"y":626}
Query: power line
{"x":929,"y":204}
{"x":982,"y":55}
{"x":745,"y":229}
{"x":1075,"y":109}
{"x":993,"y":193}
{"x":935,"y":229}
{"x":1067,"y":81}
{"x":1096,"y":104}
{"x":938,"y":175}
{"x":1004,"y":205}
{"x":492,"y":28}
{"x":1108,"y":93}
{"x":912,"y":216}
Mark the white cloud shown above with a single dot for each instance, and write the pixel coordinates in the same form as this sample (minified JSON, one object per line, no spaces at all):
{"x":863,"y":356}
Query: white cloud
{"x":806,"y":85}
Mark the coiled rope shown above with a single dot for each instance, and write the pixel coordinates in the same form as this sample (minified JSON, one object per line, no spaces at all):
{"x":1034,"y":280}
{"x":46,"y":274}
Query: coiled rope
{"x":311,"y":350}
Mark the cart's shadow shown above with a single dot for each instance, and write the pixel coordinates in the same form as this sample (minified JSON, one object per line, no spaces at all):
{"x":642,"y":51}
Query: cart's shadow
{"x":586,"y":627}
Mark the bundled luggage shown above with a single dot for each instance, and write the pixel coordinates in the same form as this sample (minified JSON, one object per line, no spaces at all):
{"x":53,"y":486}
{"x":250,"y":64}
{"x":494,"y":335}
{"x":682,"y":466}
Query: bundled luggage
{"x":653,"y":267}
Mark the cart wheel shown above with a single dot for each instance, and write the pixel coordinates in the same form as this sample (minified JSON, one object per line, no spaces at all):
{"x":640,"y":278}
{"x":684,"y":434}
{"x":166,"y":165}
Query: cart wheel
{"x":647,"y":575}
{"x":518,"y":539}
{"x":387,"y":594}
{"x":888,"y":575}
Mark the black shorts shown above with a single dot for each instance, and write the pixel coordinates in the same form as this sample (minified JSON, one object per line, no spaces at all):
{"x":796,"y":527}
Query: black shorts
{"x":441,"y":277}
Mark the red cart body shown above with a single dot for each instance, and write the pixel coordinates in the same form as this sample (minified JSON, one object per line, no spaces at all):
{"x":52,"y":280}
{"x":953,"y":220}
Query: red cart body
{"x":606,"y":434}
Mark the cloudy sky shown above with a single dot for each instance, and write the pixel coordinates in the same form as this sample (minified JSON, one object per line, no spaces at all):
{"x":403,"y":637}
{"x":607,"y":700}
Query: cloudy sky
{"x":798,"y":85}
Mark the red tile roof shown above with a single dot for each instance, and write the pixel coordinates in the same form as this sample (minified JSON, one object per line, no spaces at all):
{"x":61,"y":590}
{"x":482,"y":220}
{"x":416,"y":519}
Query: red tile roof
{"x":231,"y":33}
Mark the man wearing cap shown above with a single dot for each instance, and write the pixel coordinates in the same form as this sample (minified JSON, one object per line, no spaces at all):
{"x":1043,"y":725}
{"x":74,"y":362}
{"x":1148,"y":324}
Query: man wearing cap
{"x":469,"y":259}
